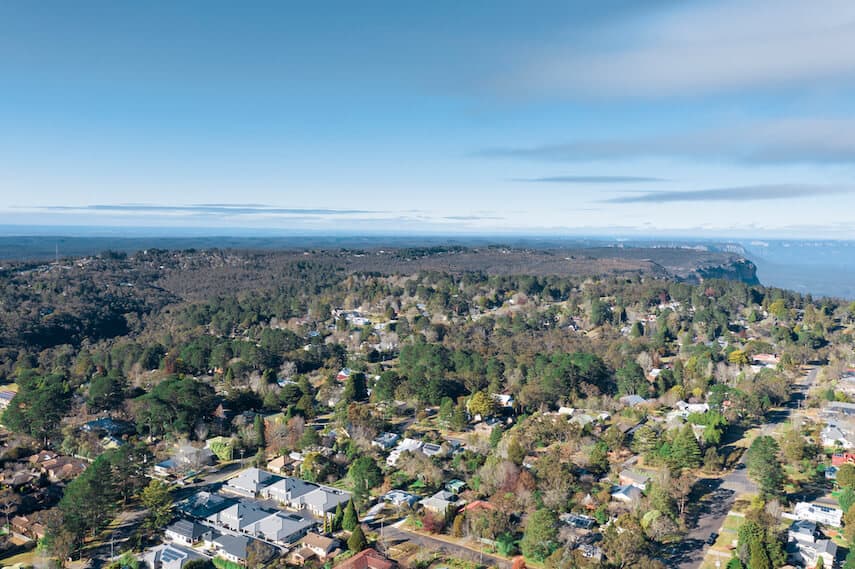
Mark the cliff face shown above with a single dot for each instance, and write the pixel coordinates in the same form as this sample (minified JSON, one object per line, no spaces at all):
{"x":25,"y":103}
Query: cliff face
{"x":739,"y":269}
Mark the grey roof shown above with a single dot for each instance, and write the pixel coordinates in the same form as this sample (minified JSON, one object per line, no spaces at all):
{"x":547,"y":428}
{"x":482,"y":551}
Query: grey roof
{"x":233,"y":544}
{"x":188,"y":529}
{"x":204,"y":504}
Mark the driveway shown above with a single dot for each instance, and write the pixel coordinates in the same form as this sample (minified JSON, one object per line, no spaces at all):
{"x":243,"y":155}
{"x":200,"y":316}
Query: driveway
{"x":393,"y":535}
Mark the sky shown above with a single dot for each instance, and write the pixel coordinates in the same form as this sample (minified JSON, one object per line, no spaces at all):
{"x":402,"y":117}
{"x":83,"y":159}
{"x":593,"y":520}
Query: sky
{"x":479,"y":116}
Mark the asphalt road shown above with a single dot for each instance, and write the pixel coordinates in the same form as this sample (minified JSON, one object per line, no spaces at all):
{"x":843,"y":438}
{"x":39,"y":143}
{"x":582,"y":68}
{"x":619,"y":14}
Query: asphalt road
{"x":716,"y":495}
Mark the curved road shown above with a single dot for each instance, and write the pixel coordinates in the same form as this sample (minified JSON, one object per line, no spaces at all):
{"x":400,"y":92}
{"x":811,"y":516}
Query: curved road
{"x":716,"y":495}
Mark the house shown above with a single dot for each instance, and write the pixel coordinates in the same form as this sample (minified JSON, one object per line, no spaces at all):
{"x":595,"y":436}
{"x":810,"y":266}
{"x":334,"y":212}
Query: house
{"x":441,"y":502}
{"x":503,"y":399}
{"x":805,"y":547}
{"x":319,"y":546}
{"x":431,"y":449}
{"x":634,"y":478}
{"x":834,"y":436}
{"x":279,"y":464}
{"x":627,"y":494}
{"x":825,"y":515}
{"x":343,"y":374}
{"x":591,"y":551}
{"x":632,"y":400}
{"x":839,"y":459}
{"x":281,"y":527}
{"x":170,"y":556}
{"x":802,"y":531}
{"x":112,"y":427}
{"x":240,"y":517}
{"x":189,"y":457}
{"x":385,"y":441}
{"x":300,"y":495}
{"x":250,"y":482}
{"x":202,"y":505}
{"x":689,"y":408}
{"x":406,"y":445}
{"x":767,"y":360}
{"x":400,"y":498}
{"x":477,"y":505}
{"x":27,"y":527}
{"x":367,"y":559}
{"x":578,"y":521}
{"x":6,"y":397}
{"x":232,"y":547}
{"x":455,"y":486}
{"x":185,"y":531}
{"x":839,"y":408}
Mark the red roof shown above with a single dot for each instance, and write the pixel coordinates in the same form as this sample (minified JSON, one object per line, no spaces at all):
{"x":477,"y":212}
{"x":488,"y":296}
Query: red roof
{"x":367,"y":559}
{"x":478,"y":505}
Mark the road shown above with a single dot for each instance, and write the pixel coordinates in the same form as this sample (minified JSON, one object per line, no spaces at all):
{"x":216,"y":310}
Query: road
{"x":130,"y":520}
{"x":715,"y":496}
{"x":393,"y":535}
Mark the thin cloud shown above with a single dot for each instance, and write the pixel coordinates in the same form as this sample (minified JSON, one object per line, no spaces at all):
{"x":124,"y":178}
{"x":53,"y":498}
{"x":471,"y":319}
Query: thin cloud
{"x":699,"y":48}
{"x":736,"y":194}
{"x":807,"y":140}
{"x":591,"y":180}
{"x":201,"y":209}
{"x":470,"y":217}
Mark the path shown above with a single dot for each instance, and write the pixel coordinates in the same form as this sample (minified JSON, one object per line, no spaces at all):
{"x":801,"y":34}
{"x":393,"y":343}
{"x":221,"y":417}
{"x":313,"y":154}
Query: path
{"x":393,"y":535}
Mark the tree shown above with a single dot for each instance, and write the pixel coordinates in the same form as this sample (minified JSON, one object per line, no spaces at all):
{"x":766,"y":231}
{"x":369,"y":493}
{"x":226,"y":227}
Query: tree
{"x":850,"y":559}
{"x":644,"y":440}
{"x":355,"y":388}
{"x":157,"y":500}
{"x":539,"y":538}
{"x":258,"y":431}
{"x":481,"y":404}
{"x":338,"y":518}
{"x":365,"y":476}
{"x":630,"y":379}
{"x":258,"y":554}
{"x":764,"y":466}
{"x":357,"y":542}
{"x":349,"y":520}
{"x":846,"y":475}
{"x":846,"y":498}
{"x":685,"y":451}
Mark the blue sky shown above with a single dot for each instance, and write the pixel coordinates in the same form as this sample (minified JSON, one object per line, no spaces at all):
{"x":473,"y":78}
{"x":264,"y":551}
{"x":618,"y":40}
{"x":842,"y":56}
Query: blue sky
{"x":484,"y":116}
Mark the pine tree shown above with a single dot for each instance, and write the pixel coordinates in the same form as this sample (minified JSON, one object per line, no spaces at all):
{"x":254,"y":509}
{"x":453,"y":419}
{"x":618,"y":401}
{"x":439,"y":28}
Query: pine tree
{"x":337,"y":518}
{"x":350,"y":520}
{"x":685,"y":452}
{"x":357,"y":542}
{"x":759,"y":558}
{"x":258,"y":428}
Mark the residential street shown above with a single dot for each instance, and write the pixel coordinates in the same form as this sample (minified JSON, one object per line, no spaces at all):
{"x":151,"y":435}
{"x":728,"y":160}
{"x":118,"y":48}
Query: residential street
{"x":717,"y":495}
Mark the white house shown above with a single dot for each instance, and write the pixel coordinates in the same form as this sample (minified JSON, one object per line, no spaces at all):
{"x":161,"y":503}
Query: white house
{"x":825,"y":515}
{"x":406,"y":445}
{"x":627,"y":494}
{"x":833,"y":436}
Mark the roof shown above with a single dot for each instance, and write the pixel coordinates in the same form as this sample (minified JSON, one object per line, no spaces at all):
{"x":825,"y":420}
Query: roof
{"x":233,"y":544}
{"x":188,"y":529}
{"x":204,"y":504}
{"x":319,"y":541}
{"x":635,"y":475}
{"x":367,"y":559}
